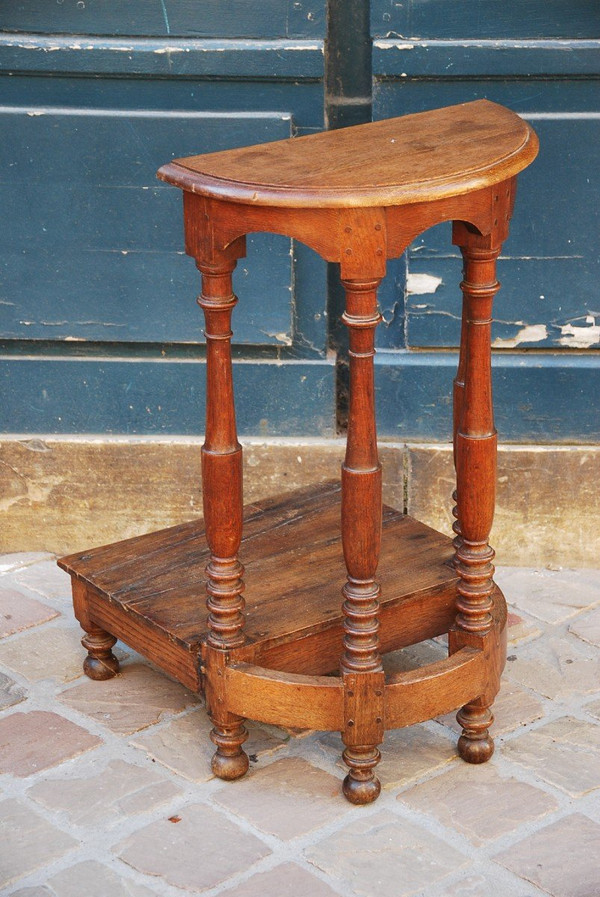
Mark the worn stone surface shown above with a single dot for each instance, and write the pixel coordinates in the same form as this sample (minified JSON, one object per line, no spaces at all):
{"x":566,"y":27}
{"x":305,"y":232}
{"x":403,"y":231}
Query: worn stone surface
{"x":413,"y":657}
{"x":47,"y":505}
{"x":265,"y":798}
{"x":562,"y":858}
{"x":133,"y":700}
{"x":18,"y":611}
{"x":18,"y":559}
{"x":514,"y":707}
{"x":49,"y":653}
{"x":30,"y":742}
{"x":184,"y":744}
{"x":478,"y":802}
{"x":119,"y":796}
{"x":48,"y":579}
{"x":593,"y":708}
{"x":565,"y":753}
{"x":107,"y":796}
{"x":520,"y":630}
{"x":10,"y":692}
{"x":137,"y":485}
{"x":91,"y":879}
{"x":470,"y":886}
{"x":496,"y":882}
{"x":190,"y":853}
{"x":536,"y":523}
{"x":41,"y":891}
{"x":285,"y":879}
{"x":406,"y":754}
{"x":558,"y":668}
{"x":27,"y":841}
{"x":552,"y":596}
{"x":385,"y":855}
{"x":587,"y":627}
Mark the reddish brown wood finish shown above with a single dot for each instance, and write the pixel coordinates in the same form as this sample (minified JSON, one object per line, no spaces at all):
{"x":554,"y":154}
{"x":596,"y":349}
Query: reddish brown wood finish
{"x":475,"y":452}
{"x":358,"y":197}
{"x":100,"y":662}
{"x":223,"y":510}
{"x":361,"y":539}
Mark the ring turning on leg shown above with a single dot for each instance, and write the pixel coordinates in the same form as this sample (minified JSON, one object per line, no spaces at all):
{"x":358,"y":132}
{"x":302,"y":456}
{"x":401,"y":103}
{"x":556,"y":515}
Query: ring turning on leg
{"x":100,"y":662}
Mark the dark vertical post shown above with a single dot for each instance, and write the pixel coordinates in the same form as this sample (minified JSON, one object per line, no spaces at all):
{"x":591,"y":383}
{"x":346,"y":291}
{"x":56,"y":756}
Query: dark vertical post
{"x":348,"y":101}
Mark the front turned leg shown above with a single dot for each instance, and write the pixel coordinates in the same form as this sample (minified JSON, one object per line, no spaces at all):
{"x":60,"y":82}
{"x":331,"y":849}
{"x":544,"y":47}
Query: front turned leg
{"x":475,"y":450}
{"x":222,"y":500}
{"x":229,"y":761}
{"x":100,"y":662}
{"x":475,"y":744}
{"x":361,"y":667}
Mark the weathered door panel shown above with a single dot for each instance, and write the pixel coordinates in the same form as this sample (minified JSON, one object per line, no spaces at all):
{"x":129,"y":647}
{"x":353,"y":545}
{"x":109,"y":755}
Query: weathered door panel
{"x":543,"y":61}
{"x":93,"y":264}
{"x":174,"y":18}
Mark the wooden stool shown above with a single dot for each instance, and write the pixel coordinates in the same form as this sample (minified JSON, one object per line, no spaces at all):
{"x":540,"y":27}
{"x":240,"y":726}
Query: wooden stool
{"x":357,"y":196}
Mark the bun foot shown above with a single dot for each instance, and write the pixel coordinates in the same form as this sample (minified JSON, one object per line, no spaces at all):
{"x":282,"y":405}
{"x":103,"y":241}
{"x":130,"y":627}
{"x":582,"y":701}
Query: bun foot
{"x":361,"y":792}
{"x":361,"y":785}
{"x":229,"y":761}
{"x":475,"y":751}
{"x":230,"y":767}
{"x":475,"y":745}
{"x":100,"y":663}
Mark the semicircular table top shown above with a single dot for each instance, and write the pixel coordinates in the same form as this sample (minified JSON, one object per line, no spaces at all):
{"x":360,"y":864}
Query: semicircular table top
{"x":415,"y":158}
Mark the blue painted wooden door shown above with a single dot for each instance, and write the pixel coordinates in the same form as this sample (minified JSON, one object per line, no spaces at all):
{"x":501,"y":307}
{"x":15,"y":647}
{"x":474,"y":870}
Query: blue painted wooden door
{"x":542,"y":59}
{"x":99,"y":328}
{"x":99,"y":325}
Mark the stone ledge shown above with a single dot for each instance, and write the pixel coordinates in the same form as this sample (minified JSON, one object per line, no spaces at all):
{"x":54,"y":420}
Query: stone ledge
{"x":63,"y":493}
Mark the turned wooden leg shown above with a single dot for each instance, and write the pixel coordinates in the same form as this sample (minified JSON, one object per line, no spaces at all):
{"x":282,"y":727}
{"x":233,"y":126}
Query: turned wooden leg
{"x":475,"y":449}
{"x":222,"y":499}
{"x":361,"y":538}
{"x":458,"y":393}
{"x":100,"y":662}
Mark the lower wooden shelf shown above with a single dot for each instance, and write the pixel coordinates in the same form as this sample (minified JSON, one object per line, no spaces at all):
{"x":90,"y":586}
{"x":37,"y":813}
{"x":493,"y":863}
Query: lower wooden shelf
{"x":150,"y":591}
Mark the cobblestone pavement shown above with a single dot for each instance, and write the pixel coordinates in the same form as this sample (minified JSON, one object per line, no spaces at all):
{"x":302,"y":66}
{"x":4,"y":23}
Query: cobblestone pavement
{"x":105,"y":787}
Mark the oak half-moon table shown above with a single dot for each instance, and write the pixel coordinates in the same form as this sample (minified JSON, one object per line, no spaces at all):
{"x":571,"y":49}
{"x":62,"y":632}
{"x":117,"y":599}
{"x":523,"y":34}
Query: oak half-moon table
{"x":358,"y":196}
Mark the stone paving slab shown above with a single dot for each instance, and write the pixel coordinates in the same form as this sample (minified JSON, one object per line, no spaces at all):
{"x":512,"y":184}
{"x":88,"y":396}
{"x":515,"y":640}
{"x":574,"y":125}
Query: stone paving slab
{"x":28,"y":841}
{"x":557,"y":667}
{"x":87,"y":879}
{"x":478,"y":802}
{"x":265,"y":797}
{"x":565,"y":753}
{"x":587,"y":627}
{"x":18,"y":612}
{"x":133,"y":700}
{"x":562,"y":858}
{"x":195,"y":850}
{"x":48,"y":653}
{"x":46,"y":579}
{"x":385,"y":855}
{"x":10,"y":692}
{"x":285,"y":879}
{"x":31,"y":742}
{"x":9,"y":562}
{"x":549,"y":595}
{"x":106,"y":787}
{"x":106,"y":796}
{"x":183,"y":744}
